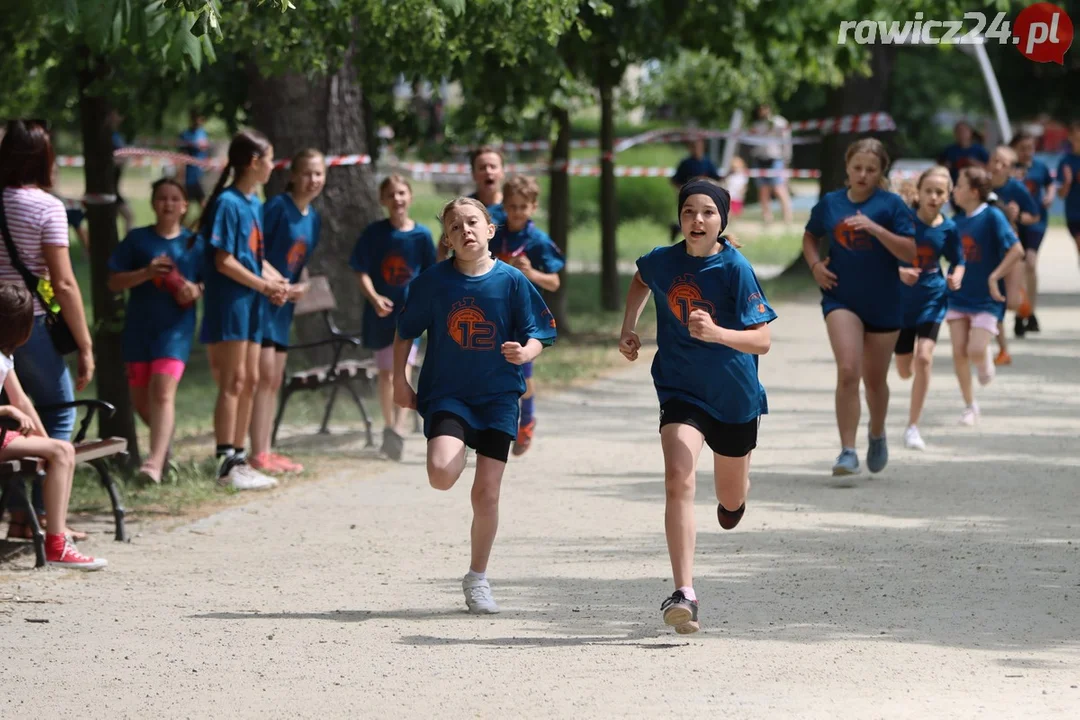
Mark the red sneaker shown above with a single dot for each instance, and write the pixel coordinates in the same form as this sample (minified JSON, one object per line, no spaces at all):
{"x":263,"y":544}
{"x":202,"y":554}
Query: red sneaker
{"x":285,"y":464}
{"x":264,"y":463}
{"x":70,"y":557}
{"x":524,"y":437}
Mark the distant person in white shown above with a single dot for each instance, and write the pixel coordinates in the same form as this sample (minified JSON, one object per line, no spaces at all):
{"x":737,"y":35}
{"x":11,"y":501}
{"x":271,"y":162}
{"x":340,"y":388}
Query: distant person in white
{"x":772,"y":156}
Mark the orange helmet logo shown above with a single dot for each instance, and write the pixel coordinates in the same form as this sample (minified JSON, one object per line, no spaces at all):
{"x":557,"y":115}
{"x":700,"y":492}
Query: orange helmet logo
{"x":684,"y":296}
{"x":468,"y":326}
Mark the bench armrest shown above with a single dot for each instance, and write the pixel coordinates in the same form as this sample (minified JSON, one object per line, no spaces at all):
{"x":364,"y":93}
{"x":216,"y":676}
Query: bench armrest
{"x":92,"y":406}
{"x":335,"y":340}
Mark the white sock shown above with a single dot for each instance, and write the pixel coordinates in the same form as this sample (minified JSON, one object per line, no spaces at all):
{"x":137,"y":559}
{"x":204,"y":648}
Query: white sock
{"x":472,"y":574}
{"x":688,"y":593}
{"x":847,"y":449}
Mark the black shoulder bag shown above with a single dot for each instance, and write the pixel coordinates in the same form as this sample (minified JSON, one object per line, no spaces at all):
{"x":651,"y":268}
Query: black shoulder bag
{"x":59,"y":332}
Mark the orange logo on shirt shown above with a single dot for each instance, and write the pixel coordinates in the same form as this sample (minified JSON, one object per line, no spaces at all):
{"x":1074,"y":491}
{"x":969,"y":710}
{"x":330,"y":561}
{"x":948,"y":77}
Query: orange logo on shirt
{"x":396,"y":271}
{"x":684,"y":296}
{"x":849,"y":238}
{"x":255,"y":241}
{"x":468,"y":326}
{"x":1033,"y":187}
{"x":926,"y":258}
{"x":550,"y":318}
{"x":972,"y":252}
{"x":297,"y":253}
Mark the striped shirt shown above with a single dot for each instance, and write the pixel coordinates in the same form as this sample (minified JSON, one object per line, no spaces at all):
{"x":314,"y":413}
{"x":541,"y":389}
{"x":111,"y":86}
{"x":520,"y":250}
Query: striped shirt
{"x":35,"y":219}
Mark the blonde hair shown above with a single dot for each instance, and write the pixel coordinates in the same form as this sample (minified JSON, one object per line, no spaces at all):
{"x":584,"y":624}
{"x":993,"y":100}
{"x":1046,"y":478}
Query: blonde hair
{"x":449,"y":208}
{"x":874,"y":147}
{"x":932,"y":171}
{"x":393,"y":180}
{"x":738,"y":164}
{"x":1008,"y":152}
{"x":522,"y":186}
{"x":299,"y":161}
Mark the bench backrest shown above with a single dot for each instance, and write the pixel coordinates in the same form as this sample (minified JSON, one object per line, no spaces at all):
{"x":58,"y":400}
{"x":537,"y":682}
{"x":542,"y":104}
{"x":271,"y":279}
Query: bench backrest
{"x":319,"y":297}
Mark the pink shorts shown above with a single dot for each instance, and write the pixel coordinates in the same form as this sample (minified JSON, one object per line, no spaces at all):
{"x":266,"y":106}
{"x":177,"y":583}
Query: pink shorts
{"x":384,"y":358}
{"x":736,"y":207}
{"x":982,"y":320}
{"x":138,"y":373}
{"x":8,"y":437}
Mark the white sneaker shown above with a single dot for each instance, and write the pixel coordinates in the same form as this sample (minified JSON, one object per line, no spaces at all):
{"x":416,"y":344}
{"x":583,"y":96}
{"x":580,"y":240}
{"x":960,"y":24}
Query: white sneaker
{"x":912,"y":439}
{"x":970,"y":415}
{"x":245,"y":477}
{"x":478,"y":596}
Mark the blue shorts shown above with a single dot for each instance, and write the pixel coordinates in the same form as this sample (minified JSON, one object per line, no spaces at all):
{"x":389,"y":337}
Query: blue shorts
{"x":175,"y":343}
{"x":770,"y":181}
{"x":487,"y":412}
{"x":872,"y":322}
{"x":277,"y":321}
{"x":240,"y":320}
{"x":1032,"y":239}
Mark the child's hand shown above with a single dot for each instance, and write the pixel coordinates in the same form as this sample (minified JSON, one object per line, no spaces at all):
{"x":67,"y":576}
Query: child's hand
{"x":1012,"y":210}
{"x":189,"y":293}
{"x":858,"y":221}
{"x":515,"y":352}
{"x":404,"y":395}
{"x":297,"y":291}
{"x":702,"y":327}
{"x":955,"y":279}
{"x":825,"y":278}
{"x":161,"y":265}
{"x":26,"y":424}
{"x":383,"y":306}
{"x":522,"y":263}
{"x":629,"y":344}
{"x":909,"y":276}
{"x":995,"y":291}
{"x":1067,"y":175}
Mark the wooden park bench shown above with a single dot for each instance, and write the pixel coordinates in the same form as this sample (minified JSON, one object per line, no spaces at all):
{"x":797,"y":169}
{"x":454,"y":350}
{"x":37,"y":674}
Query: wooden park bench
{"x":95,"y":453}
{"x":341,"y":372}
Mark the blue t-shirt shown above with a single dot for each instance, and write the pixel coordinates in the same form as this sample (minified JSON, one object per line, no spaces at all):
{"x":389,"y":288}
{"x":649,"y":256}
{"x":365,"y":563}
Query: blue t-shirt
{"x":1014,"y":191}
{"x":985,"y":238}
{"x":392,"y":258}
{"x":1072,"y":198}
{"x":926,"y":301}
{"x":235,"y":227}
{"x":720,"y":380}
{"x":155,"y":326}
{"x":467,"y":320}
{"x":496,"y":211}
{"x":541,"y":250}
{"x":692,"y":167}
{"x":867,"y":281}
{"x":1036,"y":180}
{"x":957,"y":158}
{"x":194,"y":142}
{"x":291,"y":238}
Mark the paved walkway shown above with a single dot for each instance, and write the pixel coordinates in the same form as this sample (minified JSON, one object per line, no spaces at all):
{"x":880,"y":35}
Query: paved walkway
{"x":944,"y":587}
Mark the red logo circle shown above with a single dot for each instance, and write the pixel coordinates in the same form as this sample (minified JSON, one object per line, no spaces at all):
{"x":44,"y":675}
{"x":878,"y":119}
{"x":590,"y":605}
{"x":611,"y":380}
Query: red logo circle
{"x":1043,"y":33}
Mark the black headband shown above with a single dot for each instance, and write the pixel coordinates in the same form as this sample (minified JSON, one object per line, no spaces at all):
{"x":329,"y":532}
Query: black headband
{"x":718,"y":194}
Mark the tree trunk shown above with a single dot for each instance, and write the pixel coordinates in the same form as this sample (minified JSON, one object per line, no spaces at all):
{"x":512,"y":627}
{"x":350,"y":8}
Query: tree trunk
{"x":326,"y":113}
{"x":559,"y":210}
{"x":108,"y":307}
{"x":857,"y":95}
{"x":609,"y":259}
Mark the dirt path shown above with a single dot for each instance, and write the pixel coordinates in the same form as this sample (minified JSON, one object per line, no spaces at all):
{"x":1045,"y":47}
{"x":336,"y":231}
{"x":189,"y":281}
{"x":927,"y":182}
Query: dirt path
{"x":945,"y":587}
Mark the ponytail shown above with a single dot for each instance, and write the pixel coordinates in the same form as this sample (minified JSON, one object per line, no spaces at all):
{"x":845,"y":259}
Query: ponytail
{"x":245,"y":146}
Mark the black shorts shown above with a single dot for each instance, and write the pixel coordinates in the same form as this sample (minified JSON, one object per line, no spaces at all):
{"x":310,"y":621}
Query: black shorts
{"x":488,"y":442}
{"x":905,"y":344}
{"x":1074,"y":228}
{"x":727,"y":439}
{"x":1032,"y":239}
{"x":278,"y":347}
{"x":195,"y":192}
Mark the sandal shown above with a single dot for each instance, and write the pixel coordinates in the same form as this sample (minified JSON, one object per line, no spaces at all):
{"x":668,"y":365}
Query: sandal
{"x":18,"y":527}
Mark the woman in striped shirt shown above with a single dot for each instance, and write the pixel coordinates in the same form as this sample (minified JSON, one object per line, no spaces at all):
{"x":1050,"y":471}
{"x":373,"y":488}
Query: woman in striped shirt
{"x":37,"y":222}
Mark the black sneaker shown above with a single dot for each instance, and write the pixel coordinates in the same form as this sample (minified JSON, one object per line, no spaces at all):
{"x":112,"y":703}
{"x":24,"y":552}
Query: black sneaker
{"x":729,"y":518}
{"x":680,"y":613}
{"x":392,"y":444}
{"x":1019,"y":327}
{"x":1033,"y":324}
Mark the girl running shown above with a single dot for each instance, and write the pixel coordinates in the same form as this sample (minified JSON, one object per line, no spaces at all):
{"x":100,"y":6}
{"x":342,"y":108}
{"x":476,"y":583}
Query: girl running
{"x":716,"y":317}
{"x":292,"y":233}
{"x":232,"y":321}
{"x":30,"y":440}
{"x":1068,"y":172}
{"x":483,"y":320}
{"x":388,"y":255}
{"x":1021,"y":209}
{"x":925,"y":297}
{"x":967,"y":151}
{"x":868,"y":230}
{"x":1040,"y":183}
{"x":976,"y":308}
{"x":161,"y":265}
